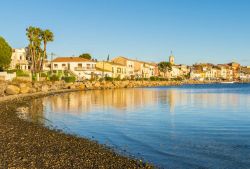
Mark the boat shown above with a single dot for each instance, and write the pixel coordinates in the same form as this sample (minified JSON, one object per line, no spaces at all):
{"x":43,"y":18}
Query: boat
{"x":228,"y":82}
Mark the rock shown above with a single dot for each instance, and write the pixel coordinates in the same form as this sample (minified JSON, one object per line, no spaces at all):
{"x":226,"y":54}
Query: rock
{"x":12,"y":90}
{"x":3,"y":86}
{"x":88,"y":85}
{"x":81,"y":86}
{"x":25,"y":89}
{"x":45,"y":88}
{"x":69,"y":86}
{"x":53,"y":87}
{"x":96,"y":85}
{"x":22,"y":85}
{"x":33,"y":90}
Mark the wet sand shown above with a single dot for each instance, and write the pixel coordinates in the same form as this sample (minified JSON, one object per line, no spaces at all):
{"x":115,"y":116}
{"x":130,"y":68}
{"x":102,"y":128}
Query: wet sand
{"x":28,"y":145}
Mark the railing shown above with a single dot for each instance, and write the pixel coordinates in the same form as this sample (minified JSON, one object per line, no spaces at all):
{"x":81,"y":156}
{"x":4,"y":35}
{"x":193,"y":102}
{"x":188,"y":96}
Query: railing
{"x":83,"y":68}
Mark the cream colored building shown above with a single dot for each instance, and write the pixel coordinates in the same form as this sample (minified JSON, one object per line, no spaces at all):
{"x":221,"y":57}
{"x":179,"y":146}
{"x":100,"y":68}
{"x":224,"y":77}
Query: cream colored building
{"x":117,"y":70}
{"x":136,"y":68}
{"x":80,"y":67}
{"x":19,"y":59}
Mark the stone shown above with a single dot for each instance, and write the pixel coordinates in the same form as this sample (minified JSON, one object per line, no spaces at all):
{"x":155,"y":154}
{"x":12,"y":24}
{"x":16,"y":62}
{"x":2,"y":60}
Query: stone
{"x":45,"y":88}
{"x":24,"y":89}
{"x":96,"y":85}
{"x":53,"y":88}
{"x":33,"y":90}
{"x":88,"y":85}
{"x":22,"y":85}
{"x":12,"y":90}
{"x":81,"y":86}
{"x":3,"y":86}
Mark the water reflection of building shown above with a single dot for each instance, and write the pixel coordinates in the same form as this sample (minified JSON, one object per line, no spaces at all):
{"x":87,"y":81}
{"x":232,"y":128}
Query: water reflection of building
{"x":33,"y":111}
{"x":122,"y":100}
{"x":83,"y":102}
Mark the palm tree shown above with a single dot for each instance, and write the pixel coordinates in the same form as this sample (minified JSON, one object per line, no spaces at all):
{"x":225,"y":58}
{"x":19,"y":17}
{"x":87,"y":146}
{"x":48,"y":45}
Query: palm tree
{"x":47,"y":36}
{"x":31,"y":37}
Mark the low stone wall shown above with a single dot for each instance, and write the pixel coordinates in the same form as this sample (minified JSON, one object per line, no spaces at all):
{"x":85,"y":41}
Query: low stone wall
{"x":23,"y":87}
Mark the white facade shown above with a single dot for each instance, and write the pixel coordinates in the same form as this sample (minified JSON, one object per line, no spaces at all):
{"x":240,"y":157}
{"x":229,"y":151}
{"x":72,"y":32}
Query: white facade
{"x":81,"y":69}
{"x":19,"y":59}
{"x":7,"y":76}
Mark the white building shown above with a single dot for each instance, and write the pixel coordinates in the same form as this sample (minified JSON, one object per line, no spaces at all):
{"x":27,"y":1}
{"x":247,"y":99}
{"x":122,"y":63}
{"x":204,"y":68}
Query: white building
{"x":80,"y":67}
{"x":19,"y":59}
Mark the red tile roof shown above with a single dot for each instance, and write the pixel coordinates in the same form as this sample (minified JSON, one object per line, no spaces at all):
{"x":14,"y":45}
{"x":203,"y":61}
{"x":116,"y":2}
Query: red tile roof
{"x":71,"y":59}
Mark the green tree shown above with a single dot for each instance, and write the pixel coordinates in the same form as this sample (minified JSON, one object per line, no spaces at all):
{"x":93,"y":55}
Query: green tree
{"x":47,"y":36}
{"x":164,"y":67}
{"x":85,"y":56}
{"x":37,"y":37}
{"x":5,"y":54}
{"x":34,"y":37}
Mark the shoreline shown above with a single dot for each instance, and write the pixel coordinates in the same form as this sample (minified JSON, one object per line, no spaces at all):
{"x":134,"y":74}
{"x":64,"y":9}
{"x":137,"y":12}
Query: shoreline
{"x":28,"y":145}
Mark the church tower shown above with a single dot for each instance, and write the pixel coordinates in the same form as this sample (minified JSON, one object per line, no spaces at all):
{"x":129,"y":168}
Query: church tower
{"x":171,"y":58}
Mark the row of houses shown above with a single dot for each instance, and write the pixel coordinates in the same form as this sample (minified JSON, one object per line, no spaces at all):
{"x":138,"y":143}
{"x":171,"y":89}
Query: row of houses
{"x":231,"y":71}
{"x":123,"y":67}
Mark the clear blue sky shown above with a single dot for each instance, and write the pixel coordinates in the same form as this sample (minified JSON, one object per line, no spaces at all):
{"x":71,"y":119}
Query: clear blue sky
{"x":216,"y":31}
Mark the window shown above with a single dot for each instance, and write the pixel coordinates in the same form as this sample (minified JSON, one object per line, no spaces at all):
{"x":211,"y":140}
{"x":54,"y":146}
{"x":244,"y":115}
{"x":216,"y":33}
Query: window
{"x":79,"y":65}
{"x":118,"y":70}
{"x":63,"y":65}
{"x":55,"y":65}
{"x":88,"y":66}
{"x":20,"y":57}
{"x":112,"y":69}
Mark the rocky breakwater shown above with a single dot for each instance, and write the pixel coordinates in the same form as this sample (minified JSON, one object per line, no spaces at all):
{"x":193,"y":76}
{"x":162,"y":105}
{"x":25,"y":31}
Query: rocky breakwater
{"x":21,"y":87}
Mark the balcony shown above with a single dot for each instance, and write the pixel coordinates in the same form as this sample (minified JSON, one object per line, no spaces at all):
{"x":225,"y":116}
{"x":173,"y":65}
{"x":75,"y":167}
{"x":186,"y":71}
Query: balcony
{"x":84,"y":68}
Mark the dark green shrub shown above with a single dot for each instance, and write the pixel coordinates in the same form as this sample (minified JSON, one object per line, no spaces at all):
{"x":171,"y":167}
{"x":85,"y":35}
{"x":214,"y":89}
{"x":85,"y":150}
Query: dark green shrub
{"x":108,"y":78}
{"x":21,"y":73}
{"x":69,"y":79}
{"x":54,"y":78}
{"x":154,"y":78}
{"x":44,"y":75}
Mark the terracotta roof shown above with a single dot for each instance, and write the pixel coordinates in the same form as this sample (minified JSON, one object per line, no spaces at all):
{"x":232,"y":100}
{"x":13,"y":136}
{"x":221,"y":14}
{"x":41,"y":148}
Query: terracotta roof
{"x":71,"y":59}
{"x":134,"y":60}
{"x":99,"y":69}
{"x":113,"y":63}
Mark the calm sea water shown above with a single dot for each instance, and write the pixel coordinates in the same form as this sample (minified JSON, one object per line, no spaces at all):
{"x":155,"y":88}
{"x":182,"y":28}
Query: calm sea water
{"x":191,"y":126}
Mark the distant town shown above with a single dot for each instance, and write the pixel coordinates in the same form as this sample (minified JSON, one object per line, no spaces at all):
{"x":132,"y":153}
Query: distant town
{"x":126,"y":68}
{"x":32,"y":63}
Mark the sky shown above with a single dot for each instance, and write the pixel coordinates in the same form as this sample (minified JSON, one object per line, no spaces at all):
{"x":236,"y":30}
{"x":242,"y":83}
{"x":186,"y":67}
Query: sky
{"x":214,"y":31}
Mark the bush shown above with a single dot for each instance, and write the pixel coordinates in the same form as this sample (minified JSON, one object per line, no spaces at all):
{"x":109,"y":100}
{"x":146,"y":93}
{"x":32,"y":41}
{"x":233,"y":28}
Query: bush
{"x":69,"y":79}
{"x":154,"y":78}
{"x":108,"y":78}
{"x":54,"y":78}
{"x":20,"y":73}
{"x":44,"y":75}
{"x":118,"y":78}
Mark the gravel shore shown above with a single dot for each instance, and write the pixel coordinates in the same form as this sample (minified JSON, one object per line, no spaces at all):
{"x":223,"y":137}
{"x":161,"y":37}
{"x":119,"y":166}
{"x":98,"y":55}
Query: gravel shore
{"x":27,"y":145}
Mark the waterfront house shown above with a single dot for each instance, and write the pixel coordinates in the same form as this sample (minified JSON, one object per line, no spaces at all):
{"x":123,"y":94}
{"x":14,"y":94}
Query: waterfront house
{"x":118,"y":70}
{"x":136,"y":68}
{"x":245,"y":73}
{"x":20,"y":59}
{"x":130,"y":64}
{"x":79,"y":67}
{"x":235,"y":67}
{"x":145,"y":69}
